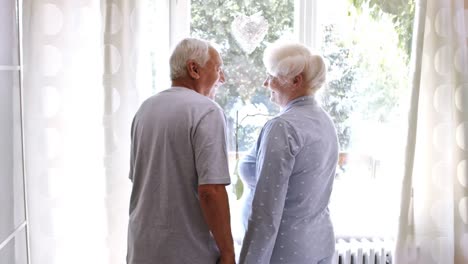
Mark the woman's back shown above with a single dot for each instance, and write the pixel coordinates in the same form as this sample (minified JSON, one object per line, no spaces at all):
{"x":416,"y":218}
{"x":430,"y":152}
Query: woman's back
{"x":295,"y":161}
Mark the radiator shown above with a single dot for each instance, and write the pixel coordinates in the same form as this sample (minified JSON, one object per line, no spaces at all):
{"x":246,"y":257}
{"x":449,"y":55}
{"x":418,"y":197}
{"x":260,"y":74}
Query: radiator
{"x":363,"y":251}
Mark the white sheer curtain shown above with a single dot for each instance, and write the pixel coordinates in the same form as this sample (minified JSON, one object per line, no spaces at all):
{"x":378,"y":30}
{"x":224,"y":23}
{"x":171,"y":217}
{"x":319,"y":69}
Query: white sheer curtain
{"x":434,"y":211}
{"x":79,"y":97}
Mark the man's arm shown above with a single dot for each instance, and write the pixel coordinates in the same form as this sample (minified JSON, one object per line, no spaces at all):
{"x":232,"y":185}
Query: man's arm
{"x":215,"y":207}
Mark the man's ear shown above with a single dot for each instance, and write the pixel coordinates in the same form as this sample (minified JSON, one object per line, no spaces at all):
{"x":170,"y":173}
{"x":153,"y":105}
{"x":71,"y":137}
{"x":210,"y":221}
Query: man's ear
{"x":193,"y":69}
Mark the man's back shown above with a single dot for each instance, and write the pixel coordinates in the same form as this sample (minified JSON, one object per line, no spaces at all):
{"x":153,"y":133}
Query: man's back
{"x":178,"y":143}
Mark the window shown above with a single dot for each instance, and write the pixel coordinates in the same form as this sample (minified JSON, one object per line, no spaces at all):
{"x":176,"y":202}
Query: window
{"x":14,"y":225}
{"x":366,"y":49}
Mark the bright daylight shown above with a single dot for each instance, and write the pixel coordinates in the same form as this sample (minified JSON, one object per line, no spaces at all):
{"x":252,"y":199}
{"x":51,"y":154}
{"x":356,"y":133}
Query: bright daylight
{"x":233,"y":131}
{"x":366,"y":95}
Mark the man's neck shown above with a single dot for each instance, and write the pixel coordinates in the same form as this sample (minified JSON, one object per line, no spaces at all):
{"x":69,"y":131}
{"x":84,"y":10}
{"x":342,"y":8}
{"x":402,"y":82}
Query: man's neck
{"x":189,"y":84}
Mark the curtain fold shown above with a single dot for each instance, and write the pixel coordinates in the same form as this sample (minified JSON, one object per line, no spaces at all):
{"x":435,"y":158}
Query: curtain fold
{"x":121,"y":99}
{"x":79,"y":83}
{"x":434,"y":206}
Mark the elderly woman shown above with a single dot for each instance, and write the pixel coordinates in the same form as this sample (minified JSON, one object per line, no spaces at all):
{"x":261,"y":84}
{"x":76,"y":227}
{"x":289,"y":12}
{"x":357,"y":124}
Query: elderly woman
{"x":289,"y":173}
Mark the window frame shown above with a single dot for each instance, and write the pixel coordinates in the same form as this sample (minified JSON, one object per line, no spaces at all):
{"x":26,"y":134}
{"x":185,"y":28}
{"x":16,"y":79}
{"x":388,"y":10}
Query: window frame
{"x":305,"y":21}
{"x":305,"y":30}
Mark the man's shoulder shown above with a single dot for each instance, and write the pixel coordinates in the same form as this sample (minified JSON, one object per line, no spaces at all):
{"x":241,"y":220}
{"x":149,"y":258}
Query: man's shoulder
{"x":184,"y":100}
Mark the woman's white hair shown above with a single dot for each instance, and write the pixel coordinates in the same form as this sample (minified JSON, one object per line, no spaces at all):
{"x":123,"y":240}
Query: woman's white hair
{"x":188,"y":49}
{"x":287,"y":60}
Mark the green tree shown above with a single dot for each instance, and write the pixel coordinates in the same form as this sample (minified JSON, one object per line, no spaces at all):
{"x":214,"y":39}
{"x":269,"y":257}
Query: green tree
{"x":338,"y":97}
{"x":245,"y":73}
{"x":382,"y":73}
{"x":366,"y":75}
{"x":401,"y":12}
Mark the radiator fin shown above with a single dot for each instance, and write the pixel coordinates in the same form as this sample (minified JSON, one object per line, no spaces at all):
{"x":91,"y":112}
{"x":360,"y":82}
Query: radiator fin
{"x":363,"y":251}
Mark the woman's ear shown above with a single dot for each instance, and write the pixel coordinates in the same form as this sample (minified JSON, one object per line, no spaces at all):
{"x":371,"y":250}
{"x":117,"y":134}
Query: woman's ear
{"x":297,"y":81}
{"x":193,"y":69}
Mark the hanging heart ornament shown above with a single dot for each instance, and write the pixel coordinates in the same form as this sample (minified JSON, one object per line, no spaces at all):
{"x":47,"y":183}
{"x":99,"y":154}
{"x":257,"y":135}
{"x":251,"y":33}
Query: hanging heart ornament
{"x":249,"y":31}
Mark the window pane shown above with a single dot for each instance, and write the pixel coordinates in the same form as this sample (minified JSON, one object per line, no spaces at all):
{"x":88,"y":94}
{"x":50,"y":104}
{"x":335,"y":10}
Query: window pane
{"x":366,"y":97}
{"x":242,"y":29}
{"x":366,"y":93}
{"x":11,"y":170}
{"x":8,"y":34}
{"x":15,"y":252}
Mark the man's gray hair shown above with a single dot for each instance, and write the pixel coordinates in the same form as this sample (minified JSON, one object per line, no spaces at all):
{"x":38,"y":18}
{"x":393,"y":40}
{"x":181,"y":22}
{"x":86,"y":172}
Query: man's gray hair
{"x":188,"y":49}
{"x":283,"y":59}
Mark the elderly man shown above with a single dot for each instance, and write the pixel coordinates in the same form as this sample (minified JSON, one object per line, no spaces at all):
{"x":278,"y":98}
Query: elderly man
{"x":179,"y":211}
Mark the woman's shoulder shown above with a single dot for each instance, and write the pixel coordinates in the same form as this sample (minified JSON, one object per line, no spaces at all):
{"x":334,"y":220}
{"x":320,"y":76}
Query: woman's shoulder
{"x":281,"y":127}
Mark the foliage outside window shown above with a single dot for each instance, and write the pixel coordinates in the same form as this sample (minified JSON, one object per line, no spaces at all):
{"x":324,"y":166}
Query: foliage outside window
{"x":245,"y":73}
{"x":348,"y":68}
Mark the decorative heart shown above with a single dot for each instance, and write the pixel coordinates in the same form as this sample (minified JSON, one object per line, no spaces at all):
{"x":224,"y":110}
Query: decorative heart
{"x":249,"y":31}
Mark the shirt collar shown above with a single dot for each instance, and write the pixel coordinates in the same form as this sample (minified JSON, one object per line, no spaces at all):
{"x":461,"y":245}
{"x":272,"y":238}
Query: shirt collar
{"x":300,"y":101}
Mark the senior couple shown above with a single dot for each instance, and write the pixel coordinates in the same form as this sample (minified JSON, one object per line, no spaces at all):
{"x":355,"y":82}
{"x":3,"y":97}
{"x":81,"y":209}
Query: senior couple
{"x":179,"y":210}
